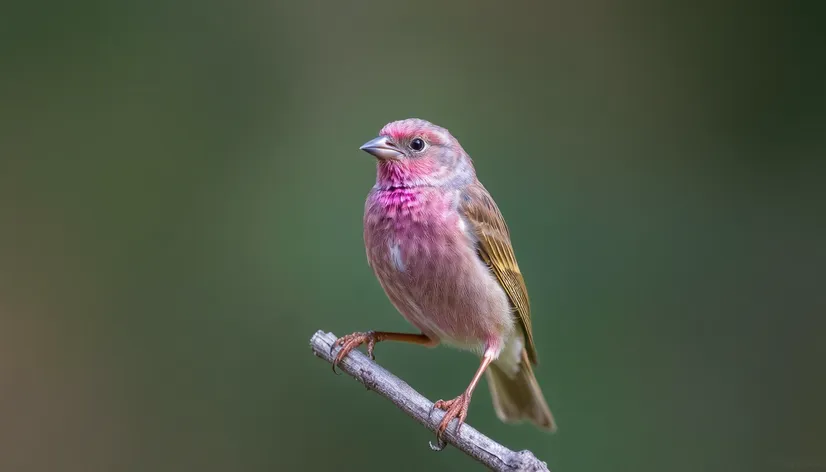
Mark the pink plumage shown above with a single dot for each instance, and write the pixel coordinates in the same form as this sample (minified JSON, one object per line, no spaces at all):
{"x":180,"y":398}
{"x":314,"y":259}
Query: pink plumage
{"x":442,"y":252}
{"x":429,"y":268}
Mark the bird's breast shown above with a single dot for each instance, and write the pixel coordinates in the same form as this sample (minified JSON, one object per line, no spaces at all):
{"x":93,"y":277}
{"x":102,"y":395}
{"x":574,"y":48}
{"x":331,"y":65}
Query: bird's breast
{"x":409,"y":229}
{"x":419,"y":248}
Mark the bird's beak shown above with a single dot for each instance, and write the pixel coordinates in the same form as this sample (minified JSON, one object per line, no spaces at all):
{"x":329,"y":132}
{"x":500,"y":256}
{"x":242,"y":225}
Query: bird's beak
{"x":382,"y":148}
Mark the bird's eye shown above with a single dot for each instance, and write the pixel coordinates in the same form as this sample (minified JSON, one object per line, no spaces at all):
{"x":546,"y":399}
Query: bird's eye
{"x":417,"y":144}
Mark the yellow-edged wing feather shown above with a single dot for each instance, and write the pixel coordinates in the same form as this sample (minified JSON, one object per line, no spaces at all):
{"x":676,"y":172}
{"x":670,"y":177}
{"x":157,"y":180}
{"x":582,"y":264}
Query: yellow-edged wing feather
{"x":495,"y":249}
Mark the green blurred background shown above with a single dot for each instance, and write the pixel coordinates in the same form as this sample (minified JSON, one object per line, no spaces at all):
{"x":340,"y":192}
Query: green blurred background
{"x":181,"y":195}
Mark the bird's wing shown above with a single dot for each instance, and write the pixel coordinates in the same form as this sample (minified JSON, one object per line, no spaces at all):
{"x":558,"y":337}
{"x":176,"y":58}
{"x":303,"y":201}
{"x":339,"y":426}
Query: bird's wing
{"x":494,"y":247}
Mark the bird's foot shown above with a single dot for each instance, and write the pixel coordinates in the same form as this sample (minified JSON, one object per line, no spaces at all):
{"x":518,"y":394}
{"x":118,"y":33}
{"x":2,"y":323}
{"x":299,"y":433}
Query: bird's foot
{"x":352,"y":341}
{"x":456,"y":408}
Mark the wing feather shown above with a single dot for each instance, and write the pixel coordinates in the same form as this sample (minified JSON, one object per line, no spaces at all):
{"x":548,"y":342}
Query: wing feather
{"x":495,"y":249}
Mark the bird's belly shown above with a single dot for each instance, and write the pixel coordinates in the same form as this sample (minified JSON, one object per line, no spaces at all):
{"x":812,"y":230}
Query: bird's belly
{"x":434,"y":277}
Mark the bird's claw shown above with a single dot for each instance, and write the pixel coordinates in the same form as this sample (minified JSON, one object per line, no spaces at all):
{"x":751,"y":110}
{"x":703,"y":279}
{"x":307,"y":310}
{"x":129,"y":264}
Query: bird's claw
{"x":352,"y":341}
{"x":456,"y":408}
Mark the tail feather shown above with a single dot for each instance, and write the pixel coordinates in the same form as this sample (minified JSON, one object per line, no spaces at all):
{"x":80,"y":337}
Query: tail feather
{"x":518,"y":397}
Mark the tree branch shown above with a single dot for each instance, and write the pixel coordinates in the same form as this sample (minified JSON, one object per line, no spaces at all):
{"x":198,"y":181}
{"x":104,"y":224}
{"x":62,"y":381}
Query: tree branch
{"x":473,"y":443}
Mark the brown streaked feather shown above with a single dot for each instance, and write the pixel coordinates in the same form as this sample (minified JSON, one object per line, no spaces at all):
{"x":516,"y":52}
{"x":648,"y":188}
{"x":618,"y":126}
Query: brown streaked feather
{"x":495,"y":249}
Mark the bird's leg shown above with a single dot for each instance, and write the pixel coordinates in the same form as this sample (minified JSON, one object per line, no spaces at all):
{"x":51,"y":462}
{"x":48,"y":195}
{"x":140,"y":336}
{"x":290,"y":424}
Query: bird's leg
{"x":352,"y":341}
{"x":458,"y":407}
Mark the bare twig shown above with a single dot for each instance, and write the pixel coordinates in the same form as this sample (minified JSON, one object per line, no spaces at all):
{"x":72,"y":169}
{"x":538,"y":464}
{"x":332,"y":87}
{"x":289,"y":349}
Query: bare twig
{"x":473,"y":443}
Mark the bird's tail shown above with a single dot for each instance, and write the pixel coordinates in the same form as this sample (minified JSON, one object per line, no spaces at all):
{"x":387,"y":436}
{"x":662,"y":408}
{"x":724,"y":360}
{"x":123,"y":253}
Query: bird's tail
{"x":518,"y":397}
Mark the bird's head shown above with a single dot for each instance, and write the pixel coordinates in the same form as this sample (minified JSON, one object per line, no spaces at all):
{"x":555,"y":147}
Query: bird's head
{"x":414,"y":153}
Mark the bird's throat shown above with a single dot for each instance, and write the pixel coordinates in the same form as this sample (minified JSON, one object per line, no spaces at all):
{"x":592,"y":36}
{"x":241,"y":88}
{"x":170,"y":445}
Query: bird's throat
{"x":400,"y":175}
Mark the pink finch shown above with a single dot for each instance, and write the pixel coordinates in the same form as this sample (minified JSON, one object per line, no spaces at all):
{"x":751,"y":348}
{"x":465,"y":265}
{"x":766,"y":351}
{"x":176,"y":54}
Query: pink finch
{"x":442,"y":252}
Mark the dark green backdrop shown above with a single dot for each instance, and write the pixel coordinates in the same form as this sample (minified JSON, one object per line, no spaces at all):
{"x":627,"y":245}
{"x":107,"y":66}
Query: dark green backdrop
{"x":181,"y":195}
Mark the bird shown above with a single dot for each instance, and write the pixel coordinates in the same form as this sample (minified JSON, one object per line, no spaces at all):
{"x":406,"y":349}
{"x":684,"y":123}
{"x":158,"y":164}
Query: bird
{"x":441,"y":250}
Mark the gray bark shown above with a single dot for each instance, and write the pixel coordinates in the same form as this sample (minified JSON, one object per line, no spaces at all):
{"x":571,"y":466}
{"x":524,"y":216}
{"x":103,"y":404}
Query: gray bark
{"x":470,"y":441}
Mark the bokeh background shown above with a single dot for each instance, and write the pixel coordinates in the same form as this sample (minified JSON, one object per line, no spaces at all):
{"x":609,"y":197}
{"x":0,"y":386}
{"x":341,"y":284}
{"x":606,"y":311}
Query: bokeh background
{"x":181,"y":195}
